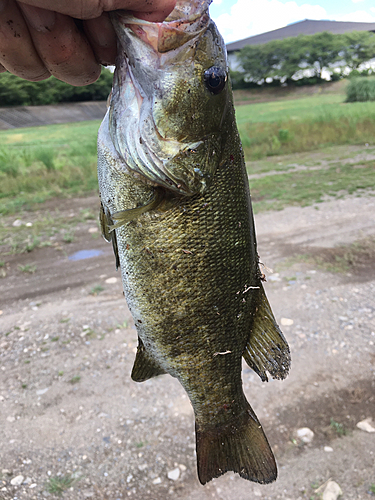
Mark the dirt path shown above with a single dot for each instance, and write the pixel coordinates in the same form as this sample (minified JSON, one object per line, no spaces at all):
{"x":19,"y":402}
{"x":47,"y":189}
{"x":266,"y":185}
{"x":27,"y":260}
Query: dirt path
{"x":69,"y":410}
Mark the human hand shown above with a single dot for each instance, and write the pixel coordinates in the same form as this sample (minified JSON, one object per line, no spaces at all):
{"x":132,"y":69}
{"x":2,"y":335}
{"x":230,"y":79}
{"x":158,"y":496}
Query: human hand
{"x":40,"y":38}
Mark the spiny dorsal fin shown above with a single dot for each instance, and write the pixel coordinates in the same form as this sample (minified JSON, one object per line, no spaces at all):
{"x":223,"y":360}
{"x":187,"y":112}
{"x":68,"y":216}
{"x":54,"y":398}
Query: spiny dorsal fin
{"x":144,"y":366}
{"x":267,"y":349}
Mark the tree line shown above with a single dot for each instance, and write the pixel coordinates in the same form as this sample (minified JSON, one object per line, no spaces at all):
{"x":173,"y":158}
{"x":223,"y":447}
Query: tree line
{"x":15,"y":91}
{"x":289,"y":59}
{"x":278,"y":61}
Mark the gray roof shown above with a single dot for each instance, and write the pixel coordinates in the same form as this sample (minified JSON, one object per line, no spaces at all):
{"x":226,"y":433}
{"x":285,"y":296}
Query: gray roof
{"x":306,"y":27}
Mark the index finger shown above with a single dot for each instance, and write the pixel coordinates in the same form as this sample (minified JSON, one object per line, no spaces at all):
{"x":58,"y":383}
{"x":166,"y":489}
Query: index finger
{"x":156,"y":10}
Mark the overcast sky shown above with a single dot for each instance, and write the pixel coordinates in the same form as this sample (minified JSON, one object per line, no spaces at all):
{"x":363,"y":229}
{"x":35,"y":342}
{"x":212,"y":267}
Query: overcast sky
{"x":237,"y":19}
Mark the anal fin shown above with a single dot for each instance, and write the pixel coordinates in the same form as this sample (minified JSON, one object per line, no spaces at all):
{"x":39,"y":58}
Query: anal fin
{"x":144,"y":366}
{"x":267,"y":349}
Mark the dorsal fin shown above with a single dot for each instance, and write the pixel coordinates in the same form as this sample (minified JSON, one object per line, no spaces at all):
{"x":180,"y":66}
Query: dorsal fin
{"x":267,"y":349}
{"x":144,"y":366}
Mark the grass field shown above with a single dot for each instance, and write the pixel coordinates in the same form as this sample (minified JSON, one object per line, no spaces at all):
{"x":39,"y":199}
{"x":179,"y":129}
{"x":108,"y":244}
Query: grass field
{"x":295,"y":183}
{"x":60,"y":160}
{"x":295,"y":125}
{"x":40,"y":162}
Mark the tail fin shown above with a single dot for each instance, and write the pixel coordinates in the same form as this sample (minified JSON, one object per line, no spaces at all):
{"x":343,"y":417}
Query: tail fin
{"x":240,"y":446}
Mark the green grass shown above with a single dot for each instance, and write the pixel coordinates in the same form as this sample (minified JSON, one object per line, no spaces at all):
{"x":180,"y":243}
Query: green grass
{"x":303,"y":188}
{"x":57,"y":485}
{"x":27,"y":268}
{"x":341,"y":259}
{"x":40,"y":162}
{"x":60,"y":160}
{"x":338,"y":428}
{"x":96,"y":289}
{"x":23,"y":239}
{"x":296,"y":125}
{"x":305,"y":108}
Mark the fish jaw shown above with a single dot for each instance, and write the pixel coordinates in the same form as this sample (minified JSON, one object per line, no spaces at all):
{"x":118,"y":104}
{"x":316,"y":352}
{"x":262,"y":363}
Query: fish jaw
{"x":158,"y":109}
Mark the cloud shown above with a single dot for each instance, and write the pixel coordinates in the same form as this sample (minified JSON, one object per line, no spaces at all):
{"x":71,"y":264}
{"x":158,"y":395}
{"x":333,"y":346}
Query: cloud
{"x":251,"y":17}
{"x":357,"y":1}
{"x":359,"y":16}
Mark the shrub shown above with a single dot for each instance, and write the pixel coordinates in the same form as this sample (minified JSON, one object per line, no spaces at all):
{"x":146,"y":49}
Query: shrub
{"x":361,"y":90}
{"x":15,"y":91}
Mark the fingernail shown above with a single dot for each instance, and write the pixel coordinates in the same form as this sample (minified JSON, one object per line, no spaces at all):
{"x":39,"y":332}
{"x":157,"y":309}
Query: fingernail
{"x":39,"y":19}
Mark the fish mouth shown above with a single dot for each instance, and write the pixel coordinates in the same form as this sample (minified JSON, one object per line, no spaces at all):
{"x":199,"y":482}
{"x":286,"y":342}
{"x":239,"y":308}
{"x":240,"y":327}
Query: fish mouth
{"x":166,"y":158}
{"x":186,"y":21}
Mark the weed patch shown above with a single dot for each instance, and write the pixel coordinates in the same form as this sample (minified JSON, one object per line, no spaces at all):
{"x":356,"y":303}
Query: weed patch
{"x":27,"y":268}
{"x":303,"y":188}
{"x":95,"y":290}
{"x":57,"y":485}
{"x":338,"y":428}
{"x":357,"y":259}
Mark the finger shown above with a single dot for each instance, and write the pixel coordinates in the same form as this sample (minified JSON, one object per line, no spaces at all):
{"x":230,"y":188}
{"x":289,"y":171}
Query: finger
{"x":17,"y":52}
{"x":155,"y":10}
{"x":102,"y":38}
{"x":160,"y":10}
{"x":64,"y":50}
{"x":2,"y":69}
{"x":80,"y":9}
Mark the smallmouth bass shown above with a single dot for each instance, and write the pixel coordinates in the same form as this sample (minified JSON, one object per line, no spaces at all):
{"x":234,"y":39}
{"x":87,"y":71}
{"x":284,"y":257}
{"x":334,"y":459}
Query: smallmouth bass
{"x":176,"y":207}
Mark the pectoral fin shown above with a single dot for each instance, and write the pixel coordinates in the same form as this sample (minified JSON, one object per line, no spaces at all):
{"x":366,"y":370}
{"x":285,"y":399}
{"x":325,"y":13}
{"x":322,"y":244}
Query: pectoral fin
{"x":144,"y":366}
{"x":267,"y":349}
{"x":105,"y":224}
{"x":124,"y":216}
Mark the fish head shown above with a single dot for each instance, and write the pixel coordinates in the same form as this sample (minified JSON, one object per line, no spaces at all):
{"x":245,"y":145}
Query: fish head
{"x":170,"y":97}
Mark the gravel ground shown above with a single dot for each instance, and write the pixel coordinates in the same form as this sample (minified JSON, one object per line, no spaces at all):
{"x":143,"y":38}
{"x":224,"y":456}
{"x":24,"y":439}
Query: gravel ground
{"x":73,"y":420}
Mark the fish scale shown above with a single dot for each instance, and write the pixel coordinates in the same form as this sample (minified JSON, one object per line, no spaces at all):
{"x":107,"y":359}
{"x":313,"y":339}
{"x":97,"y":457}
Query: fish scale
{"x":187,"y":252}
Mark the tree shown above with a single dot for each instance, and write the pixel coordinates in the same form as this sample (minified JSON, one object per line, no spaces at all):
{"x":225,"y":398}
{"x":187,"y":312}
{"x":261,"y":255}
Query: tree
{"x":283,"y":59}
{"x":358,"y":48}
{"x":294,"y":55}
{"x":322,"y":50}
{"x":15,"y":91}
{"x":260,"y":61}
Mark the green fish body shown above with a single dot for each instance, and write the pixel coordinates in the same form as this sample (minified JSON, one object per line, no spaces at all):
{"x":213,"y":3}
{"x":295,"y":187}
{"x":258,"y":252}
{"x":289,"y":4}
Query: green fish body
{"x":176,"y":206}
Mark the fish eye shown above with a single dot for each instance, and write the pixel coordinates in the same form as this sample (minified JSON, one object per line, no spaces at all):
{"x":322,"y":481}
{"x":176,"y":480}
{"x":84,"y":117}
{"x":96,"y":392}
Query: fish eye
{"x":215,"y":78}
